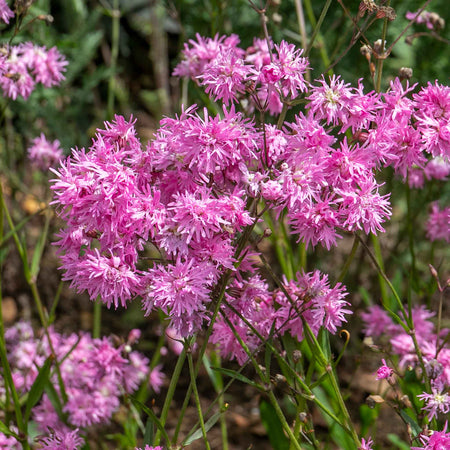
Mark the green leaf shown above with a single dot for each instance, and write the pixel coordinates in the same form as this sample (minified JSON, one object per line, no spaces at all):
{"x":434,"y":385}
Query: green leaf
{"x":402,"y":445}
{"x":149,"y":433}
{"x":208,"y":425}
{"x":151,"y":415}
{"x":273,"y":426}
{"x":238,"y":376}
{"x":38,"y":386}
{"x":5,"y":430}
{"x":414,"y":425}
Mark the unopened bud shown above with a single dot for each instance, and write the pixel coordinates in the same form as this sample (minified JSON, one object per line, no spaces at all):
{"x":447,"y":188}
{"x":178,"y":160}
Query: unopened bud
{"x":296,"y":355}
{"x":433,"y":271}
{"x":405,"y":73}
{"x":379,"y":46}
{"x":277,"y":19}
{"x":366,"y":51}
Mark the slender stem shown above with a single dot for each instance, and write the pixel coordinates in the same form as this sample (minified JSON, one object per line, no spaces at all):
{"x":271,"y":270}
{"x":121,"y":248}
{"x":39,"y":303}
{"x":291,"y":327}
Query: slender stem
{"x":383,"y":54}
{"x":380,"y":263}
{"x":97,"y":325}
{"x":170,"y":393}
{"x":350,"y":258}
{"x":318,"y":353}
{"x":197,"y":398}
{"x":114,"y":55}
{"x":317,"y":28}
{"x":301,"y":21}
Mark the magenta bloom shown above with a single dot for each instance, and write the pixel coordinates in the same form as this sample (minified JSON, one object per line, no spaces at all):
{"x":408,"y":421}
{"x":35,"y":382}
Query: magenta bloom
{"x":384,"y":371}
{"x":437,"y":440}
{"x":366,"y":445}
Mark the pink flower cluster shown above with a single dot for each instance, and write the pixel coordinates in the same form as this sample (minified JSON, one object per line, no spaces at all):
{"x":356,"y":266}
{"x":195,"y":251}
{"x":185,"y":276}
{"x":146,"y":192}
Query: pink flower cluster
{"x":23,"y":66}
{"x":255,"y":311}
{"x":43,"y":153}
{"x":166,"y":222}
{"x":228,"y":72}
{"x":434,"y":348}
{"x":94,"y":372}
{"x":184,"y":195}
{"x":377,"y":324}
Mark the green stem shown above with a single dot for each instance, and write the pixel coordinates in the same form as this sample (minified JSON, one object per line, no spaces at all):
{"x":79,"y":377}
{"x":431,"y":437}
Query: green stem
{"x":97,"y":320}
{"x":349,"y":260}
{"x":317,"y":25}
{"x":318,"y":353}
{"x":114,"y":55}
{"x":380,"y":60}
{"x":382,"y":279}
{"x":197,"y":399}
{"x":170,"y":393}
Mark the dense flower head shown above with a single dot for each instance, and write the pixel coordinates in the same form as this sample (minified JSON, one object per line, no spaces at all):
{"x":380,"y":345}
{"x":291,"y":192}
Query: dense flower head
{"x":27,"y":64}
{"x":95,"y":374}
{"x":43,"y":153}
{"x":435,"y":440}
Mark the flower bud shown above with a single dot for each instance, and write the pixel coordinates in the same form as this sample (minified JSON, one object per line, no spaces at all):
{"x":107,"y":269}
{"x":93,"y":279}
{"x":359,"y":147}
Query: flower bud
{"x":405,"y":73}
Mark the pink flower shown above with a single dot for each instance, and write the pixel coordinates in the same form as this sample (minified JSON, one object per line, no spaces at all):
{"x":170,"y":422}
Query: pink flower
{"x":438,"y":401}
{"x":331,"y":102}
{"x":438,"y":223}
{"x":62,"y":439}
{"x":224,"y":77}
{"x":156,"y":378}
{"x":366,"y":445}
{"x":384,"y":371}
{"x":5,"y":11}
{"x":44,"y":153}
{"x":181,"y":290}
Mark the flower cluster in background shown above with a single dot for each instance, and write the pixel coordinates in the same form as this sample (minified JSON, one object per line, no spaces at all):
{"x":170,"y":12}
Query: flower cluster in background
{"x":44,"y":154}
{"x":24,"y":65}
{"x":95,"y":375}
{"x":434,"y":348}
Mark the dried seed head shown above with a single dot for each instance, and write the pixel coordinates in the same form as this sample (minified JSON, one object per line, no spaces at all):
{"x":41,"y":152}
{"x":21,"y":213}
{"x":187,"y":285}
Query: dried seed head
{"x":386,"y":12}
{"x":379,"y":46}
{"x":436,"y":20}
{"x":405,"y":73}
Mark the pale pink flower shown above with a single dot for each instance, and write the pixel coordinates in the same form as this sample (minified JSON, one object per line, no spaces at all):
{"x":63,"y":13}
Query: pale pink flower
{"x":437,"y":402}
{"x":5,"y":12}
{"x":438,"y":223}
{"x":43,"y":153}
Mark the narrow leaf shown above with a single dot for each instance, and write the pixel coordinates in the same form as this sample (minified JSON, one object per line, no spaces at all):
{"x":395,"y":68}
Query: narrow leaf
{"x":151,"y":415}
{"x":38,"y":386}
{"x":273,"y":426}
{"x":208,"y":425}
{"x":5,"y":430}
{"x":238,"y":376}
